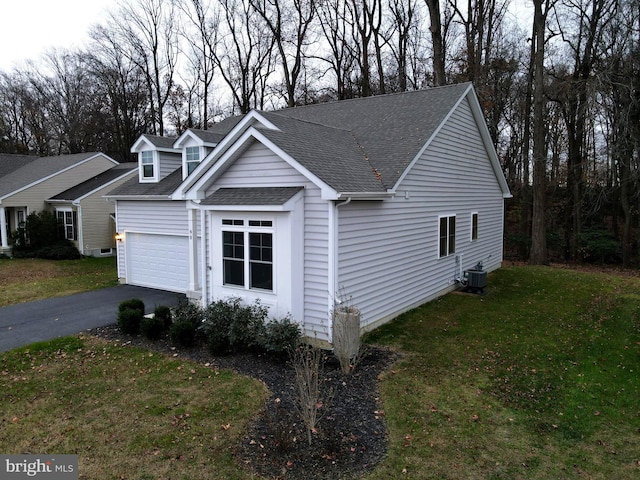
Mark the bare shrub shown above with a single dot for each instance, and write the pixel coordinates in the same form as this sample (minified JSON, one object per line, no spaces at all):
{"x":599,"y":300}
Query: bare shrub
{"x":308,"y":362}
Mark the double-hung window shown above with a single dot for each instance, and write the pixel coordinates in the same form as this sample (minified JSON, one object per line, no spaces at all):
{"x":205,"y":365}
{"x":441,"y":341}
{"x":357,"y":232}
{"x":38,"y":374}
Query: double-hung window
{"x":67,"y":223}
{"x":474,"y":226}
{"x":247,"y":253}
{"x":147,"y":165}
{"x":447,"y":235}
{"x":192,"y":158}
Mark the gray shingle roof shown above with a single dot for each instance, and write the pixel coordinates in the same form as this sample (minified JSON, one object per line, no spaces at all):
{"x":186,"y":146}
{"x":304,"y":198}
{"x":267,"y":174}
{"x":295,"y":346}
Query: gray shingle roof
{"x":251,"y":196}
{"x":96,"y":182}
{"x":391,"y":129}
{"x":332,"y":154}
{"x":164,"y":187}
{"x":38,"y":169}
{"x":10,"y":162}
{"x":160,"y":142}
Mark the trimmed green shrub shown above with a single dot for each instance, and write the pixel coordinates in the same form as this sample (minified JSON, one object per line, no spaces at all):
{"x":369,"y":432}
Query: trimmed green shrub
{"x":186,"y":320}
{"x":282,"y":336}
{"x":183,"y":333}
{"x":247,"y":329}
{"x":132,"y":304}
{"x":61,"y":250}
{"x":215,"y":326}
{"x":152,"y":327}
{"x":164,"y":313}
{"x":129,"y":320}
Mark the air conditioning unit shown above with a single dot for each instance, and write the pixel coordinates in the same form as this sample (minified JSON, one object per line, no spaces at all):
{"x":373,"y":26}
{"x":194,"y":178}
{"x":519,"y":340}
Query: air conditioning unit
{"x":476,"y":278}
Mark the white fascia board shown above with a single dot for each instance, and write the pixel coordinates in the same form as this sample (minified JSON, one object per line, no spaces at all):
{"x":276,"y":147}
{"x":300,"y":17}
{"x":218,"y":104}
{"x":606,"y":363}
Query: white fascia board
{"x":430,"y":139}
{"x":488,"y":143}
{"x":143,"y":143}
{"x":137,"y":197}
{"x":366,"y":195}
{"x":189,"y":134}
{"x":197,"y":190}
{"x":220,"y":151}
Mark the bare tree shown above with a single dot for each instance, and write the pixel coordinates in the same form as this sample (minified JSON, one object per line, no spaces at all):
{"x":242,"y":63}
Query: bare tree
{"x":587,"y":19}
{"x":336,"y":28}
{"x":289,"y":22}
{"x":438,"y":41}
{"x":539,"y":254}
{"x":201,"y":36}
{"x":148,"y":31}
{"x":244,"y":55}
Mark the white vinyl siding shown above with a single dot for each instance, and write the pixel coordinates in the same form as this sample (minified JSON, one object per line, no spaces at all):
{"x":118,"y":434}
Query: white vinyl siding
{"x":259,"y":167}
{"x":388,"y":251}
{"x":149,"y":217}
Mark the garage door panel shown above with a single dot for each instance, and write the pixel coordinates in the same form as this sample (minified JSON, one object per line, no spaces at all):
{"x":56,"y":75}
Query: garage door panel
{"x":158,"y":261}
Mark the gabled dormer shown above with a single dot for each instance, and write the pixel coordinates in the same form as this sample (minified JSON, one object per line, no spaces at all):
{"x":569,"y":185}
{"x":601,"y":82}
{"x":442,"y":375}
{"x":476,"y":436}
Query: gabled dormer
{"x":156,"y":157}
{"x":195,"y":145}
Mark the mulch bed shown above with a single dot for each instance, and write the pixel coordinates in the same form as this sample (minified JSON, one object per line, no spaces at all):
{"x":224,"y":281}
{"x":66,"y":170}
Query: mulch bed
{"x":351,"y":436}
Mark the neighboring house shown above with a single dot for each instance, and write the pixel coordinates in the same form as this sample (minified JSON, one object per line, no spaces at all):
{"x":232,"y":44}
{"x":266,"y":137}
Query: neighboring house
{"x":87,"y":218}
{"x":26,"y":183}
{"x":381,"y":200}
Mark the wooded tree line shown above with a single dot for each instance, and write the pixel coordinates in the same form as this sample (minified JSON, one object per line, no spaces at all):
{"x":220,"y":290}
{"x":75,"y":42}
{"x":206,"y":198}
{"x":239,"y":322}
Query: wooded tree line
{"x":558,"y":82}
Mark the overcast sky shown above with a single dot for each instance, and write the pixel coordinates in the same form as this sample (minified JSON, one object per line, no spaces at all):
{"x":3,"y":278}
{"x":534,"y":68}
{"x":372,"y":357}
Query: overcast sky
{"x":29,"y":27}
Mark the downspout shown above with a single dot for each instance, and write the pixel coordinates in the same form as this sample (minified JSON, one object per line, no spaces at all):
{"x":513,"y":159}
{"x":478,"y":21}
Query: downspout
{"x":333,"y":259}
{"x":79,"y":227}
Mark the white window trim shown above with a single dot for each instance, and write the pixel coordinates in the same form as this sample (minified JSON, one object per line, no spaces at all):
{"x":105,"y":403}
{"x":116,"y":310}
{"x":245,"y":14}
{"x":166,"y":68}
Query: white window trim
{"x":156,"y":167}
{"x":185,"y":163}
{"x":66,"y":210}
{"x":449,"y":253}
{"x":247,"y":229}
{"x":474,"y":214}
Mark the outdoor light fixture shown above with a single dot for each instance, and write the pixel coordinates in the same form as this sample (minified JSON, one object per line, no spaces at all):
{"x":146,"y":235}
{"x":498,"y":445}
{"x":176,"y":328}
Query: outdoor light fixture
{"x":119,"y":237}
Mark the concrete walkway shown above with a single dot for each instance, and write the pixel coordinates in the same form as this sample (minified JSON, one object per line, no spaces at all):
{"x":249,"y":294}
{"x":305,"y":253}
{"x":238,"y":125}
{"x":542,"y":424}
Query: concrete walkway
{"x":26,"y":323}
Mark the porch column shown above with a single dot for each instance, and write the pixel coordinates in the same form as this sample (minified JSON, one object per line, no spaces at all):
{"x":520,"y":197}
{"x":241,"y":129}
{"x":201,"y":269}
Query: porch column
{"x":194,"y":284}
{"x":4,"y":227}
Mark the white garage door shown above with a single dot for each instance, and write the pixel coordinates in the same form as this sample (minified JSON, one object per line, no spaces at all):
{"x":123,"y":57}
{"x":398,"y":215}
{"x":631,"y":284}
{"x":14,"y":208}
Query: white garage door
{"x":158,"y":261}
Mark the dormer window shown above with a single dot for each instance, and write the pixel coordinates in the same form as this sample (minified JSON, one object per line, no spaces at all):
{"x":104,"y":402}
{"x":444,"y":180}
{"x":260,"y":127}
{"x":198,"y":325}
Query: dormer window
{"x":192,"y":158}
{"x":148,"y":167}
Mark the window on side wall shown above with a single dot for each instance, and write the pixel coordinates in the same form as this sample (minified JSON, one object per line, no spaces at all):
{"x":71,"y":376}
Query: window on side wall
{"x":67,"y":222}
{"x":147,"y":165}
{"x":474,"y":226}
{"x":447,"y":235}
{"x":192,"y":158}
{"x":247,"y":253}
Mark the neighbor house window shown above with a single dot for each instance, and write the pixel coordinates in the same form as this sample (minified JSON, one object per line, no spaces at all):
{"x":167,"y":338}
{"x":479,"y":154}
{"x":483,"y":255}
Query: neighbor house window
{"x":192,"y":155}
{"x":474,"y":226}
{"x":447,"y":235}
{"x":247,"y":253}
{"x":147,"y":165}
{"x":67,"y":222}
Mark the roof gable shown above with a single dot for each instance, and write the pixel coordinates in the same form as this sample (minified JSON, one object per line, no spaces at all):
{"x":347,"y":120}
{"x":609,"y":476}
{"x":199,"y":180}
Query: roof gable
{"x":41,"y":169}
{"x":99,"y":181}
{"x":153,"y":142}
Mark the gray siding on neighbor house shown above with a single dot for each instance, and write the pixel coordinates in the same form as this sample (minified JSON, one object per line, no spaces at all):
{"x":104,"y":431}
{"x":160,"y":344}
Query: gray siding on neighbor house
{"x":160,"y":217}
{"x":259,"y":166}
{"x":34,"y":197}
{"x":98,"y":229}
{"x":388,"y":251}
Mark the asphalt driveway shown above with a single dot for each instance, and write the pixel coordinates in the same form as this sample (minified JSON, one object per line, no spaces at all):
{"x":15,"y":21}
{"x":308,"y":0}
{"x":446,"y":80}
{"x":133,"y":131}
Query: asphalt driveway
{"x":58,"y":317}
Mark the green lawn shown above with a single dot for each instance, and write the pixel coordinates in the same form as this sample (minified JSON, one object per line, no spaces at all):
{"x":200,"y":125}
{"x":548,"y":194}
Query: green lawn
{"x":25,"y":280}
{"x":538,"y":379}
